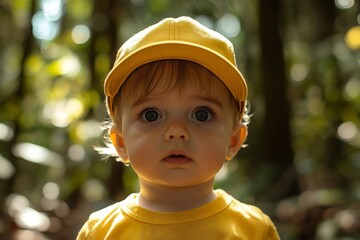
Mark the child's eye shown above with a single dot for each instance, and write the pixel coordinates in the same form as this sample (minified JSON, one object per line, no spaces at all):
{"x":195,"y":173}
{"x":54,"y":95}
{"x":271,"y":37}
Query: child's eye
{"x":150,"y":115}
{"x":202,"y":115}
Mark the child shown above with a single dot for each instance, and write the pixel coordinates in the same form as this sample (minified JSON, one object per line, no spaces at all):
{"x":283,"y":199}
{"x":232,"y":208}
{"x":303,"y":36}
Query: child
{"x":177,"y":103}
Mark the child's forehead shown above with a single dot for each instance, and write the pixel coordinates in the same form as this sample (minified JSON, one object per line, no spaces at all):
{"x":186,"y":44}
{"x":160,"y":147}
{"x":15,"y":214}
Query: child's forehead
{"x":190,"y":86}
{"x":171,"y":76}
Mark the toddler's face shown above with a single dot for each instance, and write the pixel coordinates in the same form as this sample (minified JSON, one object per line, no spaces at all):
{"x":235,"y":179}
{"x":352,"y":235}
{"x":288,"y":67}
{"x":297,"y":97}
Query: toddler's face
{"x":179,"y":139}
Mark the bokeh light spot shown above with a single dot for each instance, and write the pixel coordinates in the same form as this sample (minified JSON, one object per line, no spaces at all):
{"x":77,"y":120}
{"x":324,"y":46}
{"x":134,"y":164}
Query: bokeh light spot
{"x":94,"y":190}
{"x":62,"y":113}
{"x":38,"y":154}
{"x":6,"y":132}
{"x":347,"y":131}
{"x":32,"y":219}
{"x":299,"y":72}
{"x":80,"y":34}
{"x":352,"y":38}
{"x":88,"y":130}
{"x":344,"y":4}
{"x":44,"y":29}
{"x":352,"y":89}
{"x":51,"y":191}
{"x":206,"y":21}
{"x":228,"y":25}
{"x":6,"y":168}
{"x":52,"y":9}
{"x":76,"y":152}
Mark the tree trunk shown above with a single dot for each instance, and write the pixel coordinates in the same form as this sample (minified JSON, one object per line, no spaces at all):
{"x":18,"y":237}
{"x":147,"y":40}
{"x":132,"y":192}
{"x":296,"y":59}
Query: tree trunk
{"x":277,"y":135}
{"x":110,"y":8}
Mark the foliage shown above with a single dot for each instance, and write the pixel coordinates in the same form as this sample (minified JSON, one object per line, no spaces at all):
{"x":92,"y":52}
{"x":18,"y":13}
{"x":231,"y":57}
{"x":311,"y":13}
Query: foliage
{"x":54,"y":55}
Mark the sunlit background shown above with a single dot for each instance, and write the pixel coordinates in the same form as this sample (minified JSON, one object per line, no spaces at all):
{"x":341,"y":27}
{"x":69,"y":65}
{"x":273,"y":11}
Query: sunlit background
{"x":54,"y":55}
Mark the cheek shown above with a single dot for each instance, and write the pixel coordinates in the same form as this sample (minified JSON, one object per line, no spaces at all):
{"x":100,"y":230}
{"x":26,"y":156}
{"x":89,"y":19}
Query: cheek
{"x":140,"y":143}
{"x":220,"y":133}
{"x":140,"y":155}
{"x":136,"y":146}
{"x":215,"y":143}
{"x":218,"y":149}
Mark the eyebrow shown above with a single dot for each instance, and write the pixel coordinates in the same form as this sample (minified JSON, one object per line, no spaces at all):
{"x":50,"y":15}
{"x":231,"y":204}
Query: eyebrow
{"x":203,"y":98}
{"x":210,"y":99}
{"x":141,"y":101}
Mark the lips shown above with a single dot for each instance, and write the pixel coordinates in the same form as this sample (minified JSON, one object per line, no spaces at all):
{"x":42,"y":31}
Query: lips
{"x":177,"y":159}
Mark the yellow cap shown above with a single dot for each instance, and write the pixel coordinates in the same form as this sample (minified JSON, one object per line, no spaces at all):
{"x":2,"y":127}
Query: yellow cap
{"x":177,"y":38}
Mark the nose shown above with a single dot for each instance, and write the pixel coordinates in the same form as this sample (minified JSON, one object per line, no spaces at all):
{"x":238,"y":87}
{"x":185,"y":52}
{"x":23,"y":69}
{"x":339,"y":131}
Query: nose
{"x":177,"y":131}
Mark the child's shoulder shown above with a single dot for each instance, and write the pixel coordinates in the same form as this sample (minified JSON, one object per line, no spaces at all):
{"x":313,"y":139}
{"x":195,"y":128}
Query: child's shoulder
{"x":98,"y":223}
{"x":250,"y":219}
{"x":115,"y":210}
{"x":248,"y":211}
{"x":106,"y":211}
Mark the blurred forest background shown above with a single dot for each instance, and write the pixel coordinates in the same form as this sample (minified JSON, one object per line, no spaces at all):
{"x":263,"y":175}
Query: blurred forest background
{"x":301,"y":59}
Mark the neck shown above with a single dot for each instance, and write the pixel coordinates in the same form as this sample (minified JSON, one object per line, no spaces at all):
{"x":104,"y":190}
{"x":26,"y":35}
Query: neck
{"x":173,"y":199}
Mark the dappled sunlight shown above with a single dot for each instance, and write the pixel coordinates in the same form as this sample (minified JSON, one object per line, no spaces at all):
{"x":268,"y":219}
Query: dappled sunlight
{"x":320,"y":205}
{"x":299,"y":72}
{"x":205,"y":20}
{"x":347,"y":131}
{"x":94,"y":190}
{"x":29,"y":235}
{"x":352,"y":89}
{"x":6,"y":132}
{"x":34,"y":223}
{"x":67,"y":65}
{"x":76,"y":153}
{"x":51,"y":191}
{"x":43,"y":28}
{"x":347,"y":219}
{"x":228,"y":25}
{"x":45,"y":23}
{"x":342,"y":52}
{"x":29,"y":218}
{"x":344,"y":4}
{"x":352,"y":38}
{"x":320,"y":197}
{"x":52,"y":9}
{"x":34,"y":64}
{"x":80,"y":34}
{"x":7,"y":170}
{"x":16,"y":203}
{"x":61,"y":113}
{"x":88,"y":130}
{"x":290,"y":210}
{"x":38,"y":154}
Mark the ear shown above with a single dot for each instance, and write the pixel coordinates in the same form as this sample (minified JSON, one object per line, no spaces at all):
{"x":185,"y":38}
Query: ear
{"x":237,"y":139}
{"x":118,"y":141}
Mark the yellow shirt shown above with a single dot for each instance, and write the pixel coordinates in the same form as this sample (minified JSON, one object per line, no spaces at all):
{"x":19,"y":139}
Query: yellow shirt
{"x":221,"y":219}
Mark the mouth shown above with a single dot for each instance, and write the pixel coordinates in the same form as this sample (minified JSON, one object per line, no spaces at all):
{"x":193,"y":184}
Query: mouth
{"x":177,"y":159}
